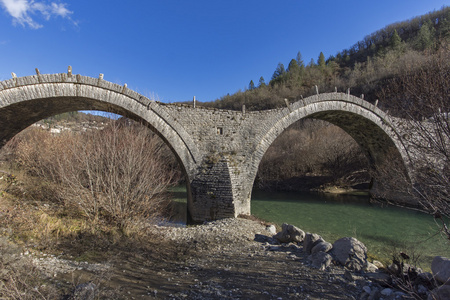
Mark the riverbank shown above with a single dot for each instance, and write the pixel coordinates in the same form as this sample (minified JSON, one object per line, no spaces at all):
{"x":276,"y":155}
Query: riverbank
{"x":49,"y":247}
{"x":225,"y":259}
{"x":220,"y":259}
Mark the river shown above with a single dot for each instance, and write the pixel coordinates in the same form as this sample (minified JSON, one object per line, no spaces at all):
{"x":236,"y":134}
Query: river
{"x":384,"y":229}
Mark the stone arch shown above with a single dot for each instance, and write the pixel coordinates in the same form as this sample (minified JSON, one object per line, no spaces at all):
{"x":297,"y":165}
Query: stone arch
{"x":374,"y":130}
{"x":26,"y":100}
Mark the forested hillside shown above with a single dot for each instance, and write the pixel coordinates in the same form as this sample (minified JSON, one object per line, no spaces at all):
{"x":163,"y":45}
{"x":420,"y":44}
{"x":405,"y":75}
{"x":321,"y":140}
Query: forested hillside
{"x":365,"y":67}
{"x":401,"y":65}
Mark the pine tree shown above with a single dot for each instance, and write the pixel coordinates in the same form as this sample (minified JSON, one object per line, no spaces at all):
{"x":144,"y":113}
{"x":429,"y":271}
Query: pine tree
{"x":321,"y":60}
{"x":261,"y":82}
{"x":280,"y":70}
{"x":311,"y":63}
{"x":395,"y":42}
{"x":251,"y":85}
{"x":425,"y":37}
{"x":299,"y":59}
{"x":293,"y":67}
{"x":444,"y":29}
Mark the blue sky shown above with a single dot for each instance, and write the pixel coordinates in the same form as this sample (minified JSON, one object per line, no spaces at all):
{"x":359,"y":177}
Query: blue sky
{"x":173,"y":50}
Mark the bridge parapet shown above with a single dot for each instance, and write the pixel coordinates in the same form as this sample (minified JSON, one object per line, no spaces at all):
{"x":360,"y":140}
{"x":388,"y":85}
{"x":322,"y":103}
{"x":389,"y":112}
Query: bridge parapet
{"x":76,"y":79}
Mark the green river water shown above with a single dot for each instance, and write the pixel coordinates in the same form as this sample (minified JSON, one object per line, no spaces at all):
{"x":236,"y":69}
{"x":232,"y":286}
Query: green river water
{"x":385,"y":230}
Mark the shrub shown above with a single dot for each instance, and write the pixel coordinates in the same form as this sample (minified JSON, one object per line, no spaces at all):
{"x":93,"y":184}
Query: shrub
{"x":116,"y":174}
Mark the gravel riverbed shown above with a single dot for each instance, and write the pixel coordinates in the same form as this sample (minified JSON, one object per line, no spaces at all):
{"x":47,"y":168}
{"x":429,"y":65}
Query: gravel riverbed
{"x":218,"y":260}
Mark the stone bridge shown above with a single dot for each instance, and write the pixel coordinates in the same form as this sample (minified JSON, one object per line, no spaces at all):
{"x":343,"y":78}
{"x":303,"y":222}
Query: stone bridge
{"x":218,"y":150}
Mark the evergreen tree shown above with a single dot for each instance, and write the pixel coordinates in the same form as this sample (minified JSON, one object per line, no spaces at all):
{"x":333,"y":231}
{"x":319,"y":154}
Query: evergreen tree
{"x":293,"y":67}
{"x":372,"y":49}
{"x":330,"y":59}
{"x":444,"y":29}
{"x":261,"y":82}
{"x":280,"y":70}
{"x":395,"y":42}
{"x":321,"y":60}
{"x":251,"y":85}
{"x":299,"y":59}
{"x":425,"y":37}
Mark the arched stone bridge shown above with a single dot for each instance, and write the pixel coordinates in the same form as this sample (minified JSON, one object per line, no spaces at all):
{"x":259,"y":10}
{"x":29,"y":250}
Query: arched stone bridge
{"x":219,"y":150}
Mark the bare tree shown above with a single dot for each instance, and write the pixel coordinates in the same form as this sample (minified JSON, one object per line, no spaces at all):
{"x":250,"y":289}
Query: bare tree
{"x":421,"y":95}
{"x":317,"y":148}
{"x":115,"y":174}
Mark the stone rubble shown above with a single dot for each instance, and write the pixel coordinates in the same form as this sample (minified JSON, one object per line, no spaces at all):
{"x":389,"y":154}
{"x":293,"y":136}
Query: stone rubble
{"x":51,"y":265}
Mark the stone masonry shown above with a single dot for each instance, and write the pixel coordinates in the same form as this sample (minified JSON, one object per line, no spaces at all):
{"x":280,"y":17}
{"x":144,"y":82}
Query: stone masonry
{"x":219,"y":150}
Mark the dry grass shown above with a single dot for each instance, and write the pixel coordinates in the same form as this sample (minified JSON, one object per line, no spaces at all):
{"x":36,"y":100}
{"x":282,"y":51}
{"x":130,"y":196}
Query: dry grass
{"x":40,"y":225}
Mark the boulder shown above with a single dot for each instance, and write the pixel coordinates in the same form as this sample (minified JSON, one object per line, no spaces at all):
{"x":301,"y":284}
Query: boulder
{"x":290,"y":233}
{"x":265,"y":239}
{"x":422,"y":290}
{"x":440,"y":293}
{"x":271,"y":229}
{"x":387,"y":292}
{"x":321,"y":247}
{"x":440,"y":266}
{"x":351,"y":253}
{"x":374,"y":294}
{"x":378,"y":264}
{"x":380,"y":278}
{"x":311,"y":240}
{"x":425,"y":279}
{"x":370,"y":267}
{"x":348,"y":276}
{"x":320,"y":260}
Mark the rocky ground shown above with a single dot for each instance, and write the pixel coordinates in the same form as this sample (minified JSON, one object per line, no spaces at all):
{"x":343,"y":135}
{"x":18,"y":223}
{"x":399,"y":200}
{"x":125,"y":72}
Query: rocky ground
{"x":226,"y":259}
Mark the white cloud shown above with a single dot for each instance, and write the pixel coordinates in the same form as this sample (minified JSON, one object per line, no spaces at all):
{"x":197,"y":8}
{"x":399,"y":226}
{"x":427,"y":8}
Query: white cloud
{"x":60,"y":10}
{"x":22,"y":10}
